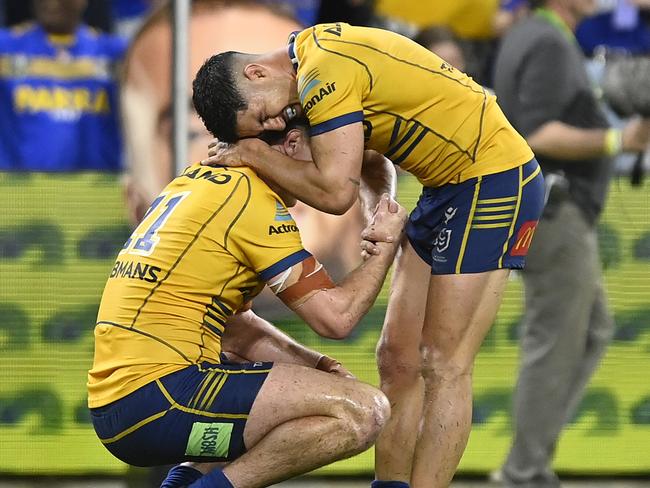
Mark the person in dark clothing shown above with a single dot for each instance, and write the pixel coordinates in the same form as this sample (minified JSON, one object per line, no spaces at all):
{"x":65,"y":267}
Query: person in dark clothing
{"x":543,"y":87}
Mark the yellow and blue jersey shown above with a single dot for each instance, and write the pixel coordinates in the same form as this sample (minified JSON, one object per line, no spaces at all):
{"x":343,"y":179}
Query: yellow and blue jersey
{"x":59,"y":93}
{"x":206,"y":246}
{"x":426,"y":116}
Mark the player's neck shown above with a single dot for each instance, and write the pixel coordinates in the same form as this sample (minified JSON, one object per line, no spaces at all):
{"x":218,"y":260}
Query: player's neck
{"x":279,"y":59}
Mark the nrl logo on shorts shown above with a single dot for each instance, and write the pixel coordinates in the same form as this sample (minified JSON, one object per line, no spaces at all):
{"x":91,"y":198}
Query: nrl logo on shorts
{"x":444,"y":236}
{"x":442,"y":240}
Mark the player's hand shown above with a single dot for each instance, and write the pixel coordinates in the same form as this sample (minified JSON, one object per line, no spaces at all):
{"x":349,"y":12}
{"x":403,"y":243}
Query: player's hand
{"x":240,"y":153}
{"x":386,"y":226}
{"x":331,"y":365}
{"x":369,"y":248}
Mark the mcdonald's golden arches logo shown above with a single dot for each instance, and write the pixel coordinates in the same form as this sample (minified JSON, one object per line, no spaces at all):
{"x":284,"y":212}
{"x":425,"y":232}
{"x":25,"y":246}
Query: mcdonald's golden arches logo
{"x":524,"y":238}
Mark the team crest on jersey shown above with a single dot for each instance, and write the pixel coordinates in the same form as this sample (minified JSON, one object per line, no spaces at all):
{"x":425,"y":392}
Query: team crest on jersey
{"x":281,"y":213}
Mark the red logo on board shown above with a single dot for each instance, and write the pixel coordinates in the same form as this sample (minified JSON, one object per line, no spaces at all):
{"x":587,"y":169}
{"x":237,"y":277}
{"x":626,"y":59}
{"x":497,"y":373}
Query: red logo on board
{"x":524,"y":238}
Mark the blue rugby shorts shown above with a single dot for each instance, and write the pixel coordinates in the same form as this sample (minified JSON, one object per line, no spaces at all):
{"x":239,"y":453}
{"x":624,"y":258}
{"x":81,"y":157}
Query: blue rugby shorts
{"x":195,"y":414}
{"x":478,"y":225}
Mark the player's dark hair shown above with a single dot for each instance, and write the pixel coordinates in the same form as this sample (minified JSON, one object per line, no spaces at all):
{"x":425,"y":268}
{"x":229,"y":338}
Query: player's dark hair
{"x":216,"y":96}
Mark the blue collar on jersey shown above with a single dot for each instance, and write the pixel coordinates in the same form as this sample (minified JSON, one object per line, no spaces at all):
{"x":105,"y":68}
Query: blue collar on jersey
{"x":292,"y":50}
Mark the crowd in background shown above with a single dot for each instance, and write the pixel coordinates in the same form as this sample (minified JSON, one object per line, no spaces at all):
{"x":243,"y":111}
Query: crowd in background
{"x":86,"y":86}
{"x":57,"y":98}
{"x":59,"y":83}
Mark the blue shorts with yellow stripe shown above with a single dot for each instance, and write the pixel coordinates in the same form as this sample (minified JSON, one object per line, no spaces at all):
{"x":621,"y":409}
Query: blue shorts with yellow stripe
{"x":195,"y":414}
{"x":478,"y":225}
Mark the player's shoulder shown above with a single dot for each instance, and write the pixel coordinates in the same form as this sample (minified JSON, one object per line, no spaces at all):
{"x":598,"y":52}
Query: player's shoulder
{"x":319,"y":33}
{"x":207,"y":176}
{"x":264,"y":200}
{"x":239,"y":182}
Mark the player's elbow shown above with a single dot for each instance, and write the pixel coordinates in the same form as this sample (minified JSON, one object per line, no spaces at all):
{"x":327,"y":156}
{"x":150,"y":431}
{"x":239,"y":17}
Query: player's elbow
{"x":334,"y":332}
{"x":329,"y":313}
{"x":337,"y":203}
{"x":333,"y":325}
{"x":338,"y":332}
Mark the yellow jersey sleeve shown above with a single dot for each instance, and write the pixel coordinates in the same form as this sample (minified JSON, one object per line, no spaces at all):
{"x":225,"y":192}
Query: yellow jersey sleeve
{"x":331,"y":84}
{"x":265,"y":237}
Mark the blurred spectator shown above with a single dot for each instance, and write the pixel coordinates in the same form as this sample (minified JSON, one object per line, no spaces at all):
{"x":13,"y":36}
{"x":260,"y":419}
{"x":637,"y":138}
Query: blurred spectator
{"x":97,"y":14}
{"x":443,"y":42}
{"x":58,"y":93}
{"x":543,"y":87}
{"x":509,"y":12}
{"x":620,"y":28}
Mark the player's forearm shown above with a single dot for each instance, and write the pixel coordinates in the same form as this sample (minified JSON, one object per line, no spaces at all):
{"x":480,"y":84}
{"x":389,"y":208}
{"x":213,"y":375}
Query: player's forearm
{"x":322,"y":189}
{"x":341,"y":308}
{"x":276,"y":346}
{"x":378,"y":176}
{"x":256,"y":339}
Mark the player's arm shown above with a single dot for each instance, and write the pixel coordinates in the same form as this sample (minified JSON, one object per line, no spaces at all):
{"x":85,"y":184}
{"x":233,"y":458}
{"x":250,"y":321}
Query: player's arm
{"x":254,"y":339}
{"x":330,"y":184}
{"x":334,"y":310}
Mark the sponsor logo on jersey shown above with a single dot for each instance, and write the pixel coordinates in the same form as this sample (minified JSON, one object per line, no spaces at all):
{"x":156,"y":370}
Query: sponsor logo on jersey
{"x":317,"y":97}
{"x":60,"y":102}
{"x":336,"y":29}
{"x":281,"y":212}
{"x":282,"y":229}
{"x":524,"y":238}
{"x":310,"y":83}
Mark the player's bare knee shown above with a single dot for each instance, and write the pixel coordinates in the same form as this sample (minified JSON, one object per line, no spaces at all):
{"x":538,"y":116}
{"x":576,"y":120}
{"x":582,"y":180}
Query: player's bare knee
{"x":366,"y":413}
{"x":440,"y":367}
{"x":397,"y":365}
